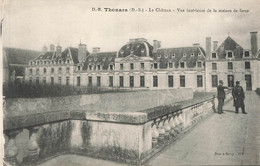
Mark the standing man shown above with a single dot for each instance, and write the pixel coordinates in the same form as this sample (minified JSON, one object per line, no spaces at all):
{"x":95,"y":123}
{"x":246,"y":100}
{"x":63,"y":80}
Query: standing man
{"x":221,"y":96}
{"x":239,"y":97}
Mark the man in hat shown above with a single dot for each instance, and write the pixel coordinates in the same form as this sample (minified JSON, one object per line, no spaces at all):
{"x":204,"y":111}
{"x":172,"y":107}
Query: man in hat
{"x":239,"y":97}
{"x":221,"y":96}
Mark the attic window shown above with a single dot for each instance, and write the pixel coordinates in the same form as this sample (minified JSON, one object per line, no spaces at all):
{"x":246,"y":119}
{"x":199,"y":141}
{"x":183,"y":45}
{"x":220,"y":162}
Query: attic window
{"x":110,"y":58}
{"x":90,"y":59}
{"x":166,"y":56}
{"x":230,"y":54}
{"x":173,"y":55}
{"x":214,"y":55}
{"x":31,"y":63}
{"x":59,"y":61}
{"x":159,"y":56}
{"x":182,"y":65}
{"x":95,"y":59}
{"x":192,"y":54}
{"x":155,"y":65}
{"x":52,"y":62}
{"x":199,"y":64}
{"x":104,"y":59}
{"x":170,"y":65}
{"x":184,"y":55}
{"x":90,"y":67}
{"x":37,"y":62}
{"x":111,"y":67}
{"x":68,"y":61}
{"x":98,"y":67}
{"x":78,"y":68}
{"x":246,"y":53}
{"x":44,"y":62}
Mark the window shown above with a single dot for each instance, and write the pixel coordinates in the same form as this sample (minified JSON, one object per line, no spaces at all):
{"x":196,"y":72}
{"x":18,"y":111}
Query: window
{"x":199,"y":81}
{"x":59,"y":80}
{"x":230,"y":80}
{"x":98,"y":81}
{"x":142,"y":65}
{"x":67,"y":81}
{"x":182,"y":64}
{"x":78,"y":68}
{"x":155,"y":65}
{"x":155,"y":81}
{"x":52,"y":62}
{"x":37,"y":71}
{"x":214,"y":55}
{"x":89,"y":81}
{"x":246,"y":53}
{"x":60,"y":69}
{"x":37,"y":62}
{"x":121,"y":81}
{"x":247,"y":65}
{"x":199,"y":64}
{"x":214,"y":66}
{"x":78,"y":81}
{"x":111,"y":67}
{"x":170,"y":65}
{"x":37,"y":81}
{"x":170,"y":80}
{"x":121,"y":66}
{"x":44,"y":70}
{"x":68,"y":61}
{"x":68,"y":69}
{"x":98,"y":67}
{"x":131,"y":66}
{"x":30,"y":71}
{"x":30,"y":80}
{"x":52,"y":70}
{"x":90,"y":67}
{"x":214,"y":80}
{"x":142,"y":81}
{"x":182,"y":81}
{"x":230,"y":65}
{"x":44,"y":81}
{"x":52,"y":80}
{"x":44,"y":62}
{"x":230,"y":54}
{"x":131,"y":81}
{"x":110,"y":81}
{"x":59,"y":61}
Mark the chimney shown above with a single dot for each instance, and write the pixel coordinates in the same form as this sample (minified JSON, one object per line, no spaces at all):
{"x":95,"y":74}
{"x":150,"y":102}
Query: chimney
{"x":215,"y":45}
{"x":82,"y":52}
{"x":44,"y":49}
{"x":208,"y":46}
{"x":253,"y":42}
{"x":96,"y":49}
{"x":196,"y":44}
{"x":52,"y":48}
{"x":58,"y":49}
{"x":156,"y":45}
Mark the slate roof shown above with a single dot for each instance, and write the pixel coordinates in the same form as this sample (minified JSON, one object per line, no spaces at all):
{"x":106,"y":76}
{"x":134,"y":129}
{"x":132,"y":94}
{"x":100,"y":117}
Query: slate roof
{"x":47,"y":56}
{"x":66,"y":54}
{"x":19,"y":56}
{"x":229,"y":44}
{"x":190,"y":55}
{"x":101,"y":58}
{"x":138,"y":48}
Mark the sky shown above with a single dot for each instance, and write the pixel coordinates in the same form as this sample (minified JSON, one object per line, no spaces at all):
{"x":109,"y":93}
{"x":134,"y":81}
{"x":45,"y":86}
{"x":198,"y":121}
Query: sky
{"x":30,"y":24}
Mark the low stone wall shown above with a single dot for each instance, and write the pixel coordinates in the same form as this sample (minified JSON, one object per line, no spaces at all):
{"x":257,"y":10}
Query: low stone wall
{"x":122,"y":136}
{"x":109,"y":102}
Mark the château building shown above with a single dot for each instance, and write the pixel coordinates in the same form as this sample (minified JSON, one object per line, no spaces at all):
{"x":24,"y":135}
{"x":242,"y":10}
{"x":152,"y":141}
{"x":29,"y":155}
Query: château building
{"x":140,"y":65}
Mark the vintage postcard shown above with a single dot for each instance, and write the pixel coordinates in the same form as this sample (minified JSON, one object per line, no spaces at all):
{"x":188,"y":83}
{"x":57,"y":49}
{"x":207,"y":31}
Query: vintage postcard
{"x":107,"y":82}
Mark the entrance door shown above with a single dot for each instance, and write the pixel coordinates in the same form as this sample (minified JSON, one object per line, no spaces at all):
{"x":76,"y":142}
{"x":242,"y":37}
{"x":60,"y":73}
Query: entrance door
{"x":248,"y":82}
{"x":230,"y":80}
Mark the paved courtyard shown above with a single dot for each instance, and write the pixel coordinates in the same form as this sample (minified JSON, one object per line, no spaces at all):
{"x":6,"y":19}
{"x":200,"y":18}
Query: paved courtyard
{"x":227,"y":139}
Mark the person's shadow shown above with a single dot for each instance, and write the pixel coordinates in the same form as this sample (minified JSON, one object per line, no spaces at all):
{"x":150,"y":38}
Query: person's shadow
{"x":231,"y":111}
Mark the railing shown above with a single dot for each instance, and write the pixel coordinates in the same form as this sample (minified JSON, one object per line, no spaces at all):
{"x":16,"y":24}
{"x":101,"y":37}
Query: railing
{"x":58,"y":132}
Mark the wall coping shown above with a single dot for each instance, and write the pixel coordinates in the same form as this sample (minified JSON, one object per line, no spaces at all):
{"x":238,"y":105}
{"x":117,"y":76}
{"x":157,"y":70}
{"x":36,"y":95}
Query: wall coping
{"x":133,"y":118}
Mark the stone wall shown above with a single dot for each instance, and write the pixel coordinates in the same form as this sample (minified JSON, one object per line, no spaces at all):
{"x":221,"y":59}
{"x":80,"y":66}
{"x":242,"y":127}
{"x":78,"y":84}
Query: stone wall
{"x":109,"y":102}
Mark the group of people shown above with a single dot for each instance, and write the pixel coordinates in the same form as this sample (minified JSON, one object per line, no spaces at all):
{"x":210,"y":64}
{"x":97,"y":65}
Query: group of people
{"x":238,"y":97}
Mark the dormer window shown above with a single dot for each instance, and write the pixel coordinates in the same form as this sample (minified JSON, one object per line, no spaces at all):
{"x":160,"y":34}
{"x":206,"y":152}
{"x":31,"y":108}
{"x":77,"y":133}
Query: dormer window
{"x":78,"y":68}
{"x":98,"y":67}
{"x":192,"y":55}
{"x":111,"y":67}
{"x":90,"y":67}
{"x":159,"y":56}
{"x":110,"y":58}
{"x":90,"y":59}
{"x":95,"y":59}
{"x":68,"y":61}
{"x":59,"y":61}
{"x":44,"y":62}
{"x":173,"y":55}
{"x":37,"y":62}
{"x":199,"y":64}
{"x":166,"y":56}
{"x":182,"y":64}
{"x":52,"y":62}
{"x":247,"y":54}
{"x":229,"y":54}
{"x":142,"y":50}
{"x":155,"y":65}
{"x":170,"y":65}
{"x":121,"y":52}
{"x":214,"y":55}
{"x":31,"y":63}
{"x":104,"y":59}
{"x":184,"y":55}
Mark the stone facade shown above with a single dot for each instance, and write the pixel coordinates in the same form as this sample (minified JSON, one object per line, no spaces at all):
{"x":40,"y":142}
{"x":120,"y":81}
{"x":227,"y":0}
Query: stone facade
{"x":139,"y":65}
